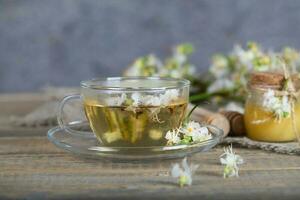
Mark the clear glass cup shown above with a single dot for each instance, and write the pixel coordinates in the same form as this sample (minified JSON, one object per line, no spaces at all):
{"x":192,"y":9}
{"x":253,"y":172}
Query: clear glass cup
{"x":130,"y":111}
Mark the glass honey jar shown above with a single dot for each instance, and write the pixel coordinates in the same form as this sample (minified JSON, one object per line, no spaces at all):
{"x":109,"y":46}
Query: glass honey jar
{"x":271,"y":113}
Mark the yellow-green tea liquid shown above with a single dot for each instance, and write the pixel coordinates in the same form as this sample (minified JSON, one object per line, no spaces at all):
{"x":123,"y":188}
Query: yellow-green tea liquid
{"x":142,"y":126}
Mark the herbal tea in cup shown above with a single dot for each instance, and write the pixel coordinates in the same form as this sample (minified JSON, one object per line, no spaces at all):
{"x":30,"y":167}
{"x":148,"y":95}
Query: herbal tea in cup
{"x":132,"y":111}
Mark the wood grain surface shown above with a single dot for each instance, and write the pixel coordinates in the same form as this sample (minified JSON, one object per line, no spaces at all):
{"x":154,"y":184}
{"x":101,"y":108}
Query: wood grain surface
{"x":33,"y":168}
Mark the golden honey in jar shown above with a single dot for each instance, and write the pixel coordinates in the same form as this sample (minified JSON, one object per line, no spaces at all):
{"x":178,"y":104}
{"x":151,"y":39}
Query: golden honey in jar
{"x":268,"y":113}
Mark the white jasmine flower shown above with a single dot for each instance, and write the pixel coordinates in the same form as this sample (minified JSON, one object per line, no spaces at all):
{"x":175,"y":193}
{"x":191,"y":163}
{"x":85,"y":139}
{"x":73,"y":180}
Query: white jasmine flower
{"x":154,"y":114}
{"x":137,"y":99}
{"x":245,"y":57}
{"x":219,"y":67}
{"x":286,"y":106}
{"x":231,"y":162}
{"x":132,"y":71}
{"x":173,"y":137}
{"x":184,"y":172}
{"x":144,"y":66}
{"x":161,"y":100}
{"x":191,"y":70}
{"x":151,"y":100}
{"x":116,"y":101}
{"x":269,"y":99}
{"x":154,"y":61}
{"x":279,"y":105}
{"x":196,"y":131}
{"x":180,"y":58}
{"x":169,"y":96}
{"x":221,"y":84}
{"x":175,"y":73}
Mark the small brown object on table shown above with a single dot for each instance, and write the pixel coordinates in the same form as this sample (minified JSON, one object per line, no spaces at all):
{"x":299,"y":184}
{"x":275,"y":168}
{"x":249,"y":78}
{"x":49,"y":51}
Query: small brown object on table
{"x":236,"y":121}
{"x":33,"y":168}
{"x":203,"y":115}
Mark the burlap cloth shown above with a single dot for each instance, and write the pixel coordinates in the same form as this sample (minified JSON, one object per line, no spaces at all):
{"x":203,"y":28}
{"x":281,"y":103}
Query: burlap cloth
{"x":45,"y":116}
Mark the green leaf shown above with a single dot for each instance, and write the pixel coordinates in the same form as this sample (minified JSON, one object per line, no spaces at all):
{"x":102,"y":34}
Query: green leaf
{"x":186,"y":140}
{"x":285,"y":114}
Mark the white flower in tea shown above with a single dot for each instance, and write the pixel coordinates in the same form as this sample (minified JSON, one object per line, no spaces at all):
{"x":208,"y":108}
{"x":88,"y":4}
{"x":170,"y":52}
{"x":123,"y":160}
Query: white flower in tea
{"x":152,"y":100}
{"x":280,"y":106}
{"x":196,"y":131}
{"x":155,"y":102}
{"x":169,"y":96}
{"x":231,"y":162}
{"x":137,"y":99}
{"x":154,"y":114}
{"x":184,"y":172}
{"x":117,"y":100}
{"x":173,"y":137}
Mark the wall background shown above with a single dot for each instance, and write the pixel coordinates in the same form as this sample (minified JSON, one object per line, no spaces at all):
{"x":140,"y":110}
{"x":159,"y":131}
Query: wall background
{"x":60,"y":42}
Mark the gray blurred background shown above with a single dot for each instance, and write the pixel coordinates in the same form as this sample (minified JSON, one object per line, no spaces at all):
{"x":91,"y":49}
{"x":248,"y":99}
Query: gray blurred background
{"x":60,"y":42}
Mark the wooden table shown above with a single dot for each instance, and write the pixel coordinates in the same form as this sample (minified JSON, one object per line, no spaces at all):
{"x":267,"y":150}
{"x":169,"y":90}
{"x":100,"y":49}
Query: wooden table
{"x":33,"y":168}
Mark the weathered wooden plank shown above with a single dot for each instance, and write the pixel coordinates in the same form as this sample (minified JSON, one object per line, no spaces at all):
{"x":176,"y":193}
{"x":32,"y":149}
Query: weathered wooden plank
{"x":32,"y":167}
{"x":20,"y":103}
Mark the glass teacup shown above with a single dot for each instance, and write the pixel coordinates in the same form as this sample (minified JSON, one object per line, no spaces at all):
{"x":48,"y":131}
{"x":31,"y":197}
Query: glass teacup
{"x":131,"y":111}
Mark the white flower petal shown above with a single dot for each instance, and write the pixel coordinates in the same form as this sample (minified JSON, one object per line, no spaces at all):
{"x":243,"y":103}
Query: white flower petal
{"x":176,"y":171}
{"x":185,"y":166}
{"x":223,"y":161}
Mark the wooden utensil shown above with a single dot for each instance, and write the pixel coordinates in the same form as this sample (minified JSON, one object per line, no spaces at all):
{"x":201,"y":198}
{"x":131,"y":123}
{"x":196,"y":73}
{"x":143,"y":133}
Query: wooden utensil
{"x":206,"y":116}
{"x":231,"y":122}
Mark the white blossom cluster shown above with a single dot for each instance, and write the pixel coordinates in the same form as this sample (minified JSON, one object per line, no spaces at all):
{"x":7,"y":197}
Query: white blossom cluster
{"x":116,"y":100}
{"x":187,"y":133}
{"x":152,"y":100}
{"x":138,"y":99}
{"x":176,"y":66}
{"x":145,"y":66}
{"x":230,"y":72}
{"x":280,"y":106}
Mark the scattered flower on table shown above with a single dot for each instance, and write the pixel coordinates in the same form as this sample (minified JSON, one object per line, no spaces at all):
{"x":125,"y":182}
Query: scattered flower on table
{"x":231,"y":162}
{"x":183,"y":172}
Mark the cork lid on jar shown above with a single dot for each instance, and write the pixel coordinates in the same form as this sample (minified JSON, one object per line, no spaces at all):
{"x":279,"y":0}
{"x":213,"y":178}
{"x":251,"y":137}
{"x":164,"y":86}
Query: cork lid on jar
{"x":271,"y":80}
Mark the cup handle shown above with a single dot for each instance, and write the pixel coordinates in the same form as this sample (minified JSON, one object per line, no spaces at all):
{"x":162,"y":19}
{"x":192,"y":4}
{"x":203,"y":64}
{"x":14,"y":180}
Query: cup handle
{"x":67,"y":127}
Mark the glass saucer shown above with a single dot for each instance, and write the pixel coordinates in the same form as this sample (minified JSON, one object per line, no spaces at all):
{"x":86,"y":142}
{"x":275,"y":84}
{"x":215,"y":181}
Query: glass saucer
{"x":90,"y":147}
